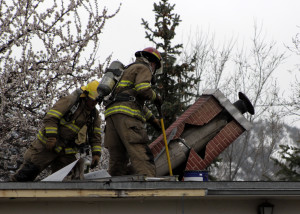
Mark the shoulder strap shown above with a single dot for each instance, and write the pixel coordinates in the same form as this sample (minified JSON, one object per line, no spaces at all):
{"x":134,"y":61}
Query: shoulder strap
{"x":143,"y":63}
{"x":121,"y":97}
{"x":75,"y":102}
{"x":90,"y":125}
{"x":134,"y":63}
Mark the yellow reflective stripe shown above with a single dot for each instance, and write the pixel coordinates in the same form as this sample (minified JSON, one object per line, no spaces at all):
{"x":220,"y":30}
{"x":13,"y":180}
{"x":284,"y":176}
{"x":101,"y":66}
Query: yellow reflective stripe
{"x":71,"y":125}
{"x":58,"y":149}
{"x":142,"y":86}
{"x":96,"y":149}
{"x":124,"y":109}
{"x":148,"y":114}
{"x":97,"y":130}
{"x":55,"y":113}
{"x":70,"y":151}
{"x":51,"y":130}
{"x":125,"y":83}
{"x":153,"y":95}
{"x":155,"y":54}
{"x":41,"y":137}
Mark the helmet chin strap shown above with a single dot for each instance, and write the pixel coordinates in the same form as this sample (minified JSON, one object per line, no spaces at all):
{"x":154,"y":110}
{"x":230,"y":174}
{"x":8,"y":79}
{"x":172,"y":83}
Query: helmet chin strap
{"x":153,"y":80}
{"x":148,"y":62}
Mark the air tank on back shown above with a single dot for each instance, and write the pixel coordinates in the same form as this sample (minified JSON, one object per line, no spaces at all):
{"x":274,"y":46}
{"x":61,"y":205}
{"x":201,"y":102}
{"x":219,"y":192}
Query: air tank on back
{"x":111,"y":77}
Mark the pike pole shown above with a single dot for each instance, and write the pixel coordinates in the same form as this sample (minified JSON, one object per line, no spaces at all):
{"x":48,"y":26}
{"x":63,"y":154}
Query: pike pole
{"x":165,"y":139}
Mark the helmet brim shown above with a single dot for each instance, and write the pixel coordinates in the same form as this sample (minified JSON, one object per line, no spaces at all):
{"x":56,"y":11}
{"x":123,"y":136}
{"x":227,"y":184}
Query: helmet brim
{"x":150,"y":57}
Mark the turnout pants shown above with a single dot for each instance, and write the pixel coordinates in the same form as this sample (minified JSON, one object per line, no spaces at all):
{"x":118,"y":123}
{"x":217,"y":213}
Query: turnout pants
{"x":126,"y":140}
{"x":37,"y":158}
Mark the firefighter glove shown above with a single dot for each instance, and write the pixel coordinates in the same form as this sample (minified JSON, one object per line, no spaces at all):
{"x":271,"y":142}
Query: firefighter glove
{"x":95,"y":161}
{"x":156,"y":124}
{"x":158,"y":101}
{"x":50,"y":143}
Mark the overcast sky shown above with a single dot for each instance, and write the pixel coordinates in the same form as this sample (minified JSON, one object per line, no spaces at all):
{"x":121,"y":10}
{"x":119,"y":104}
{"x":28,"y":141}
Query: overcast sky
{"x":226,"y":19}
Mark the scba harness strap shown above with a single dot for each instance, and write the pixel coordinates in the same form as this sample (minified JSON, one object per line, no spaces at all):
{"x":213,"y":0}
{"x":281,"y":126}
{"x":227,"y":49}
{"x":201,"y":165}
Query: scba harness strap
{"x":123,"y":97}
{"x":120,"y":97}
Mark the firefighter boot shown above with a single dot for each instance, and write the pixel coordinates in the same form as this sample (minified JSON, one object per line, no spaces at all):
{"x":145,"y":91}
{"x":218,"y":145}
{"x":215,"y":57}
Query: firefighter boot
{"x":27,"y":172}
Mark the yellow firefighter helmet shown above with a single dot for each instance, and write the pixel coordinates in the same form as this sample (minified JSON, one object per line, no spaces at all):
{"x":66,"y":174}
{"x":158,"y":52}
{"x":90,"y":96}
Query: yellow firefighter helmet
{"x":91,"y":90}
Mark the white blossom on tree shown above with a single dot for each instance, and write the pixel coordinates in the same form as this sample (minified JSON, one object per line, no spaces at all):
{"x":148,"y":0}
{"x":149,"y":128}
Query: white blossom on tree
{"x":47,"y":49}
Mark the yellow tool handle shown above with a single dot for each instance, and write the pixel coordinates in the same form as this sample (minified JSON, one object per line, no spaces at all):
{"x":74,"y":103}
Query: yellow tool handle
{"x":166,"y":145}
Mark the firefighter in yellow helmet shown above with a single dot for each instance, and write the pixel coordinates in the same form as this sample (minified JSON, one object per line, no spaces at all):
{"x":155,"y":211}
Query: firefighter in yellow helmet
{"x":125,"y":133}
{"x":55,"y":144}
